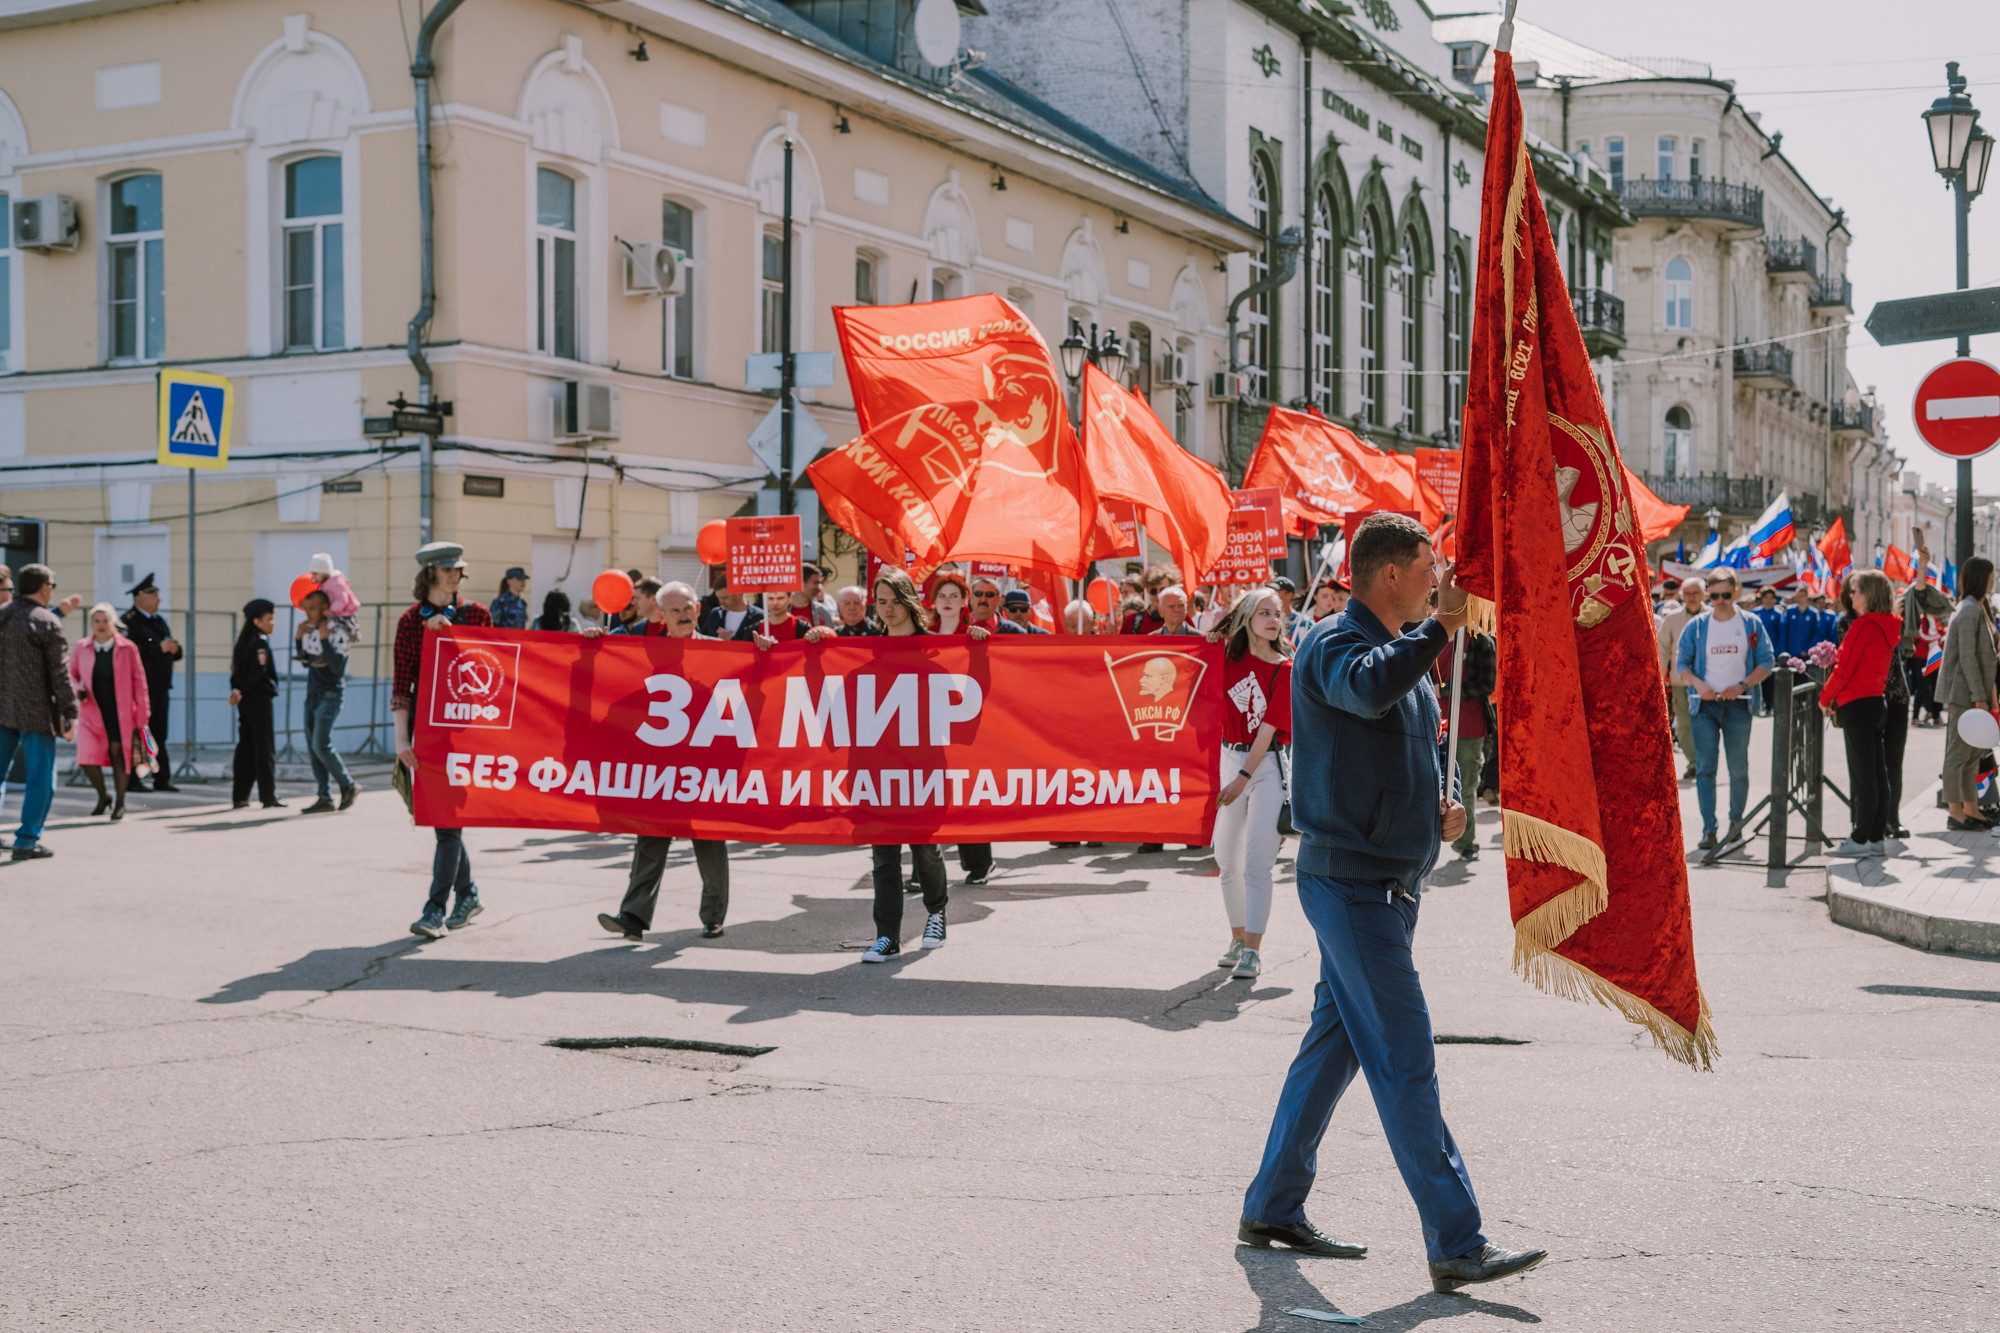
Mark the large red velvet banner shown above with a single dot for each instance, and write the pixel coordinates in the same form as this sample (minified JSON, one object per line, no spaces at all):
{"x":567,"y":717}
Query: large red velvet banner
{"x":919,"y":739}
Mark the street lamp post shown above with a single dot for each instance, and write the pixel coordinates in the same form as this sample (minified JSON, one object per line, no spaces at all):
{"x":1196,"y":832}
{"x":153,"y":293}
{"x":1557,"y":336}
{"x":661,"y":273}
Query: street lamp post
{"x":1961,"y":152}
{"x":1107,"y":354}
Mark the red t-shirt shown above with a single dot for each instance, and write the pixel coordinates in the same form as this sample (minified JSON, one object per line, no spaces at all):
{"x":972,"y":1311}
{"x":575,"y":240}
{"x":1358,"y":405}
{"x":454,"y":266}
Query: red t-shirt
{"x":793,"y":626}
{"x":1255,"y":692}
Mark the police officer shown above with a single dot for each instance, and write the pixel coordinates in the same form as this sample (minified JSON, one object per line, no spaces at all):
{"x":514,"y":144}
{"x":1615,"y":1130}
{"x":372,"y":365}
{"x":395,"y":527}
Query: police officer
{"x":158,"y":652}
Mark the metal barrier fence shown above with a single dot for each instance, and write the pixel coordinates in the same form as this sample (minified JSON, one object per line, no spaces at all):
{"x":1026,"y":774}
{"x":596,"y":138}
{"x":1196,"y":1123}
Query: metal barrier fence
{"x":363,"y":730}
{"x":1798,"y":768}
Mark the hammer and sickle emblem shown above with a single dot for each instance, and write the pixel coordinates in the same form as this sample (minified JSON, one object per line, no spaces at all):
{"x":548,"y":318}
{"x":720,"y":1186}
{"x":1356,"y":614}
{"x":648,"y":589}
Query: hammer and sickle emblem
{"x":1620,"y":562}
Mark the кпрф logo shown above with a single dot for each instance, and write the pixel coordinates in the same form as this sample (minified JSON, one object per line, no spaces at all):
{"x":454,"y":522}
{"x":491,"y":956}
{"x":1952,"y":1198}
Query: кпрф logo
{"x":472,"y":684}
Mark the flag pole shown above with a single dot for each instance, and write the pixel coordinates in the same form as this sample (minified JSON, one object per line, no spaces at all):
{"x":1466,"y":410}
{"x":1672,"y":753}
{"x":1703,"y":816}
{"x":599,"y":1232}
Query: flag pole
{"x":1451,"y":732}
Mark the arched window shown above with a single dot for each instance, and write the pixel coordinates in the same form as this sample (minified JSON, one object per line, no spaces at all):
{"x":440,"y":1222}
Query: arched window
{"x":1326,"y":306}
{"x":1454,"y":344}
{"x":1680,"y":442}
{"x":555,"y":264}
{"x":135,"y":245}
{"x":1680,"y":294}
{"x":1263,"y":216}
{"x":1410,"y":342}
{"x":315,"y":290}
{"x":1139,"y":359}
{"x":1369,"y":409}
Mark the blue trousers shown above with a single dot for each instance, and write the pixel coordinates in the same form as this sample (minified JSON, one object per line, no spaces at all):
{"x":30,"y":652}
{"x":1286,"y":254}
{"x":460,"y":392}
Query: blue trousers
{"x":38,"y":790}
{"x":1722,"y":724}
{"x":1369,"y":1016}
{"x":451,"y":870}
{"x":322,"y":711}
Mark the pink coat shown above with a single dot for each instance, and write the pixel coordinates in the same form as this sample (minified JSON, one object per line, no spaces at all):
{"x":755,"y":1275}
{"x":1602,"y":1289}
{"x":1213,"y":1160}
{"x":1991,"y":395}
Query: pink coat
{"x":134,"y":705}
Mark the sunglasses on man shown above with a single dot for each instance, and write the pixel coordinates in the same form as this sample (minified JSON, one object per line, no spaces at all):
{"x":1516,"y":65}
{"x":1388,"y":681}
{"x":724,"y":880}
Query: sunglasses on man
{"x":1724,"y":595}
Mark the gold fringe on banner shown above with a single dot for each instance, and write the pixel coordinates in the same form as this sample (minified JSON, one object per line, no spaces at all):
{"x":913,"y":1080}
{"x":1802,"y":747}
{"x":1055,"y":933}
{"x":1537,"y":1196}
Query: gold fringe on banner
{"x":1526,"y":838}
{"x":1554,"y":974}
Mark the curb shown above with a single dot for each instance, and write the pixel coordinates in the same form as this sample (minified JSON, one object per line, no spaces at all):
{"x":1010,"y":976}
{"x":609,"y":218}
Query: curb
{"x":1940,"y":934}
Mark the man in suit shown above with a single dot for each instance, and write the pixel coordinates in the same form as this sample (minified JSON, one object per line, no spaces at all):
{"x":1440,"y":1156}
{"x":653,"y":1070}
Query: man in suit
{"x":158,"y":652}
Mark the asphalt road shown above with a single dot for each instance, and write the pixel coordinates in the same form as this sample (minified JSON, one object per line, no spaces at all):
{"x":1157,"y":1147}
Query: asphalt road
{"x":236,"y":1095}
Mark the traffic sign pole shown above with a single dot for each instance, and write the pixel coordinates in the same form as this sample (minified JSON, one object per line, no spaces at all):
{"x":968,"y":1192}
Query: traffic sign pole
{"x":187,"y":743}
{"x":787,"y":372}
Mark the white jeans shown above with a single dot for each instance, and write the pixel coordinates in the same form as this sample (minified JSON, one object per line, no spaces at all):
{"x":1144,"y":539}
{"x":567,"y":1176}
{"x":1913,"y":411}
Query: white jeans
{"x":1247,"y":841}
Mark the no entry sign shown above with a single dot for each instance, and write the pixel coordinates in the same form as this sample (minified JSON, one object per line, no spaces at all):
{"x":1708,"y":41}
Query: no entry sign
{"x":1958,"y":408}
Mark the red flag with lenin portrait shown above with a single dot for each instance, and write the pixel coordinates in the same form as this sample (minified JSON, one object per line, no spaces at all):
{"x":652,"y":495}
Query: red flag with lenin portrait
{"x":967,"y":451}
{"x":1590,"y":808}
{"x":1183,"y":502}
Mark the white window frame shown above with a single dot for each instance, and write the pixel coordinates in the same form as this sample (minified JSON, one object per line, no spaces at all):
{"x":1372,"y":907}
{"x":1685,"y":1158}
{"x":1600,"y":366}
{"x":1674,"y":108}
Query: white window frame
{"x":145,"y":259}
{"x":1677,"y":450}
{"x":1694,"y":159}
{"x":542,"y":249}
{"x":1667,"y":155}
{"x":1368,"y":319}
{"x":1325,"y":296}
{"x":1410,"y":339}
{"x":317,"y":225}
{"x":946,"y":284}
{"x":1257,"y":311}
{"x":1455,"y":345}
{"x":1684,"y":299}
{"x":11,"y":358}
{"x":689,"y":302}
{"x":1614,"y":159}
{"x":771,"y":289}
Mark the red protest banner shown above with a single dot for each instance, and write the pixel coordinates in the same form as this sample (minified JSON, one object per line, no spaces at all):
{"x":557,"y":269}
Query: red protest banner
{"x":1244,"y":559}
{"x":1270,"y":499}
{"x":764,"y":554}
{"x":1439,"y":467}
{"x":849,"y":741}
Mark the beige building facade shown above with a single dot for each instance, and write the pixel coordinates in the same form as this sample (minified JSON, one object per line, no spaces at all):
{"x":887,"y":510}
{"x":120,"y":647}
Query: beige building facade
{"x":244,"y":182}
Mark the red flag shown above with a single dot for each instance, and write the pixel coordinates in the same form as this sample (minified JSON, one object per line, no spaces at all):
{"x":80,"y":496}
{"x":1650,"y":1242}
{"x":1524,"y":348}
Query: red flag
{"x":1429,"y":501}
{"x":967,"y":451}
{"x":1326,"y":470}
{"x":1898,"y":566}
{"x":1183,"y":502}
{"x":1655,"y":517}
{"x":1596,"y":867}
{"x":1834,"y":547}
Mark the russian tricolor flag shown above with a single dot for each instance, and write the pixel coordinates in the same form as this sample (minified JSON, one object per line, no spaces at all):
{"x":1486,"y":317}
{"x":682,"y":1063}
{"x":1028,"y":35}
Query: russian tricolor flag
{"x":1935,"y":660}
{"x":1773,"y":531}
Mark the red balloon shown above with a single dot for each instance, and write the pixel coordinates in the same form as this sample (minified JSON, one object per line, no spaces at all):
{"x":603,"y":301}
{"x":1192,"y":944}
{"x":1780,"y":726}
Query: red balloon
{"x":1099,"y":597}
{"x":612,"y":591}
{"x":302,"y":585}
{"x":712,"y":543}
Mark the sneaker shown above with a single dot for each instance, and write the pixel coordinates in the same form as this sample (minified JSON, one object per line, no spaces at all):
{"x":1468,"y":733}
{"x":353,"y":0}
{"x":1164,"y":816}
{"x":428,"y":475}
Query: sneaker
{"x":934,"y":931}
{"x":620,"y":926}
{"x":430,"y":925}
{"x":1146,"y":847}
{"x":1249,"y":965}
{"x":979,"y":878}
{"x":1232,"y":955}
{"x":1467,"y":853}
{"x":323,"y":806}
{"x":883,"y":950}
{"x":1849,"y":847}
{"x":348,"y":793}
{"x":32,"y":852}
{"x":468,"y":907}
{"x":1879,"y":847}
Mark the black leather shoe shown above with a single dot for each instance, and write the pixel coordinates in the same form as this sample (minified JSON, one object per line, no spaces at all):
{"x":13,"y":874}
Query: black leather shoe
{"x":164,"y":783}
{"x":1302,"y":1236}
{"x":1488,"y":1263}
{"x":712,"y":932}
{"x":618,"y":925}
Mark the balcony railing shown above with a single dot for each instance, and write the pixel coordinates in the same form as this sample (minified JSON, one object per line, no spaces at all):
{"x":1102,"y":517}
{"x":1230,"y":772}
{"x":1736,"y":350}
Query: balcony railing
{"x":1833,"y":292}
{"x":1598,"y":311}
{"x":1794,"y":256}
{"x":1704,"y":198}
{"x":1855,"y":419}
{"x":1770,"y":365}
{"x":1732,"y":495}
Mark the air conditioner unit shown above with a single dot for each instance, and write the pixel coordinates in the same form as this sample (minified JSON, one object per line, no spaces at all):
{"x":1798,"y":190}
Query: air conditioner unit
{"x":46,"y":222}
{"x":1224,"y":385}
{"x":585,"y":411}
{"x":1175,"y":367}
{"x":654,"y":270}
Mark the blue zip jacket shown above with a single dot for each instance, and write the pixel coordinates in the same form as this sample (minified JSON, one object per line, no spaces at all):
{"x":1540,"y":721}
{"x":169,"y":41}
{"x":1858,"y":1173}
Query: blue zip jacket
{"x":1367,"y":764}
{"x":1694,"y":648}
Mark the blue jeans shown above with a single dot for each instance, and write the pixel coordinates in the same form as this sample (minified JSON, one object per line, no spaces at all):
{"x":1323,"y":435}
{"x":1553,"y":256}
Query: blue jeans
{"x":322,"y":708}
{"x":38,"y":791}
{"x":1723,"y":723}
{"x":451,"y":869}
{"x":1368,"y":1015}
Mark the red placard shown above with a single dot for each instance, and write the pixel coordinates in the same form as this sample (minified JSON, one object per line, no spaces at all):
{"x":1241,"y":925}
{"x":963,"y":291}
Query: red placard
{"x":989,"y":569}
{"x":1244,"y":559}
{"x":1270,"y":499}
{"x":1125,"y":518}
{"x":1958,"y":408}
{"x":1439,"y":467}
{"x":847,"y":741}
{"x":764,"y":554}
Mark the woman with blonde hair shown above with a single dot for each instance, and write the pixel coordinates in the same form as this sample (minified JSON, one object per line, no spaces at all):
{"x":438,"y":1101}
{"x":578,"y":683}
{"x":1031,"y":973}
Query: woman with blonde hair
{"x":1256,"y":718}
{"x":105,"y":670}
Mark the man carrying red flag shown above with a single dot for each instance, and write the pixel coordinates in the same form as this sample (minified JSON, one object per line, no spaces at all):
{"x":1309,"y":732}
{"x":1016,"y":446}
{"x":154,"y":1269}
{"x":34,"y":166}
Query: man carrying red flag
{"x":1584,"y":741}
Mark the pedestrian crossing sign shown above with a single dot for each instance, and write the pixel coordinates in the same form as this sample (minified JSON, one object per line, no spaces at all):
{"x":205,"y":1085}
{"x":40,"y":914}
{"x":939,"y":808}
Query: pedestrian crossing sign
{"x":195,"y":410}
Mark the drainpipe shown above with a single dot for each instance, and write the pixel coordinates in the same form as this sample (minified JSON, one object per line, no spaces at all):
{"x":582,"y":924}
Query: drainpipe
{"x":422,"y":70}
{"x":1306,"y":213}
{"x":1444,"y":284}
{"x":1285,"y":265}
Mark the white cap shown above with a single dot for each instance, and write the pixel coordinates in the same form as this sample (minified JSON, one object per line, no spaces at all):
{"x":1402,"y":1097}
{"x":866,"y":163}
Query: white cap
{"x":322,"y":563}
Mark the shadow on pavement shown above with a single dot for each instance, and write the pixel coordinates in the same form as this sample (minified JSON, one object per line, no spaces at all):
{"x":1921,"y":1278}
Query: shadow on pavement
{"x":1278,"y":1278}
{"x":850,"y":987}
{"x":1936,"y":993}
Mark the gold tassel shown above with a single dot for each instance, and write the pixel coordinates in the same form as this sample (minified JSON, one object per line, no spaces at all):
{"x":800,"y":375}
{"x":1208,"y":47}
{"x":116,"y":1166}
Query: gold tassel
{"x":1554,"y":974}
{"x":1527,"y":838}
